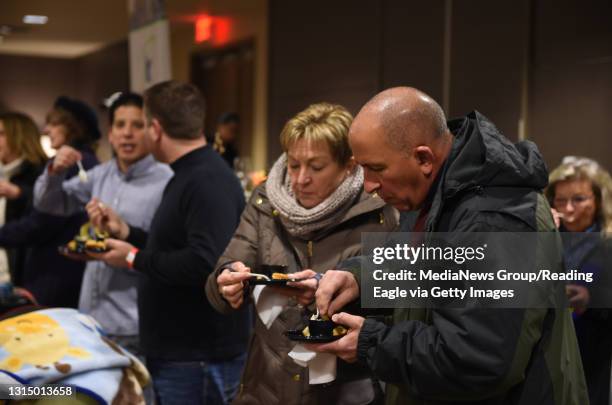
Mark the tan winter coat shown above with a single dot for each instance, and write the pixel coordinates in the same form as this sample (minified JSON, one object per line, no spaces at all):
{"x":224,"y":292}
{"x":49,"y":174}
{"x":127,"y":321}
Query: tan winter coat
{"x":270,"y":375}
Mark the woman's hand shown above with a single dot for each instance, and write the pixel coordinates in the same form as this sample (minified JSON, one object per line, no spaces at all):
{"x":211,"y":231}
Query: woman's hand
{"x":579,"y":297}
{"x":231,"y":283}
{"x":557,"y":216}
{"x":302,"y":291}
{"x":9,"y":190}
{"x":65,"y":158}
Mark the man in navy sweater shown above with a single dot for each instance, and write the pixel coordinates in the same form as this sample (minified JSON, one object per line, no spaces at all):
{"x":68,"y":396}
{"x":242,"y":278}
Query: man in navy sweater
{"x":195,"y":355}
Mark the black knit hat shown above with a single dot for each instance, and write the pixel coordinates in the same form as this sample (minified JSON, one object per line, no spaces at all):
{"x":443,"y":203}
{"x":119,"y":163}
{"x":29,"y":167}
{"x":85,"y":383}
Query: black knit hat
{"x":229,"y":118}
{"x":82,"y":113}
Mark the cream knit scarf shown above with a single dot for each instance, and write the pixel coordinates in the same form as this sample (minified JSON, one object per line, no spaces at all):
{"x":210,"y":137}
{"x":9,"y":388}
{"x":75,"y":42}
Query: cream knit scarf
{"x":300,"y":221}
{"x":6,"y":172}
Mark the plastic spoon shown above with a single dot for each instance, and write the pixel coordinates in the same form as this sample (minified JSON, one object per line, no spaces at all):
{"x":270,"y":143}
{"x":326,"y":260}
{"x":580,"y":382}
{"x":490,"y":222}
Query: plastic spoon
{"x":82,"y":172}
{"x":266,"y":278}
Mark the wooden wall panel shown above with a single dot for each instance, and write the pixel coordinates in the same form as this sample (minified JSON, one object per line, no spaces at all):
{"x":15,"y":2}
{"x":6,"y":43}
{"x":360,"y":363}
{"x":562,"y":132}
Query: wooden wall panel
{"x":488,"y":55}
{"x":412,"y":45}
{"x":31,"y":84}
{"x":325,"y":51}
{"x":545,"y":62}
{"x":571,"y":96}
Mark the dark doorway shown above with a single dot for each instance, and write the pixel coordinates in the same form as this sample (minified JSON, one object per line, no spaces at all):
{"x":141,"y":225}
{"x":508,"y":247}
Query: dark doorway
{"x":225,"y":76}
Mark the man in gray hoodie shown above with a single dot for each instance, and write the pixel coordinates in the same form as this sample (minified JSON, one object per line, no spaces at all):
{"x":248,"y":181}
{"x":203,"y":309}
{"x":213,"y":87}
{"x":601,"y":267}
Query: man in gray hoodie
{"x":131,"y":184}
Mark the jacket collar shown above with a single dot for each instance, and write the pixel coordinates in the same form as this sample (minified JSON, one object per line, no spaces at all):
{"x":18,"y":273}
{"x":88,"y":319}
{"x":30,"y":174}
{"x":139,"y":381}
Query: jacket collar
{"x":482,"y":157}
{"x":190,"y":159}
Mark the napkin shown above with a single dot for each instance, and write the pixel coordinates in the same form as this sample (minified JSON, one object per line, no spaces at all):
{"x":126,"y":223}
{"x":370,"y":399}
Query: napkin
{"x":321,"y":366}
{"x":269,"y":304}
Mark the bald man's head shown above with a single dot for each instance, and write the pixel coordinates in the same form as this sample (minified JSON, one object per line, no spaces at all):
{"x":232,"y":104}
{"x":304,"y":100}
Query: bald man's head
{"x":407,"y":116}
{"x":401,"y":140}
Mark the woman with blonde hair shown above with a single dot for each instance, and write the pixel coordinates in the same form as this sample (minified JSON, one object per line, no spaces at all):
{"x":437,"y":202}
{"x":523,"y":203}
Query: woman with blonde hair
{"x":21,"y":161}
{"x":53,"y":279}
{"x":580,"y":192}
{"x":307,"y":217}
{"x":592,"y":186}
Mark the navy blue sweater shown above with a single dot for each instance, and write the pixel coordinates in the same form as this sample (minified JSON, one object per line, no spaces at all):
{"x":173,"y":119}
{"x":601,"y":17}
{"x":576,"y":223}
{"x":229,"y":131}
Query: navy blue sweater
{"x":197,"y":216}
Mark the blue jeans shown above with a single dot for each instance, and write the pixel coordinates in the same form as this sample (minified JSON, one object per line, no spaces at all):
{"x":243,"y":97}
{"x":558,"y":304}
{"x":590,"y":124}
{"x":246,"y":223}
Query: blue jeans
{"x":196,"y":382}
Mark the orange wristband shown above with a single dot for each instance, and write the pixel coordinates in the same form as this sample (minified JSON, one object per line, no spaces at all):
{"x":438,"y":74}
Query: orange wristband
{"x":131,"y":257}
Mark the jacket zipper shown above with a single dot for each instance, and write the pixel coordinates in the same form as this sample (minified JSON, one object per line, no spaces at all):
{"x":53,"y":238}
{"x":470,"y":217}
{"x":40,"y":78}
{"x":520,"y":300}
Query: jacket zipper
{"x":310,"y":253}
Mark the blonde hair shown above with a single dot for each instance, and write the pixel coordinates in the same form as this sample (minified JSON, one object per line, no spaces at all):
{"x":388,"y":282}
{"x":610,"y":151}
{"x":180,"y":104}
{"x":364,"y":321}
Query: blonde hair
{"x":23,"y":137}
{"x":584,"y":169}
{"x":321,"y":122}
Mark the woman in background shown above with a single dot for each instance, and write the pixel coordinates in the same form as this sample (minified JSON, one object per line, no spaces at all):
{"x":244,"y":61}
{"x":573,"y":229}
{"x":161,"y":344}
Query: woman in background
{"x":55,"y":280}
{"x":580,"y":192}
{"x":226,"y":136}
{"x":21,"y":161}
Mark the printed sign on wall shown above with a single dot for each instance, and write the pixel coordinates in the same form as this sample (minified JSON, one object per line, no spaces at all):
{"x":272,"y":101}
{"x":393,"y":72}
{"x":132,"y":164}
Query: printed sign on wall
{"x":149,"y":43}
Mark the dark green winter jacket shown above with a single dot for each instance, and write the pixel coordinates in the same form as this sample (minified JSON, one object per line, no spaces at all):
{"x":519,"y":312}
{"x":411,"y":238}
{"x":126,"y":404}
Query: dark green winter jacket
{"x":481,"y":356}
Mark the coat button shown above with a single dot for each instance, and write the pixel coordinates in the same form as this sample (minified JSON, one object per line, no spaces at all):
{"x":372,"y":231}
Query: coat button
{"x":296,"y":377}
{"x":275,"y":213}
{"x":259,"y":201}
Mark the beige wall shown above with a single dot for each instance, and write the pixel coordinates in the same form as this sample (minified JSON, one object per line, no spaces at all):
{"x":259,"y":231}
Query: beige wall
{"x":246,"y":21}
{"x":31,"y":84}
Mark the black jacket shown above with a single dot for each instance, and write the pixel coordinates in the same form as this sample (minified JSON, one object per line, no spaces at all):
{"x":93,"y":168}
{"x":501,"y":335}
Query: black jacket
{"x":481,"y":356}
{"x":53,"y":279}
{"x":24,"y":179}
{"x":17,"y":208}
{"x":590,"y":252}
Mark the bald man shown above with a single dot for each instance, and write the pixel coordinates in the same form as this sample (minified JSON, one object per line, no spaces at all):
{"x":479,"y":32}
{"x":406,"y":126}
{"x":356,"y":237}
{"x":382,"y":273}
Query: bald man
{"x":463,"y":176}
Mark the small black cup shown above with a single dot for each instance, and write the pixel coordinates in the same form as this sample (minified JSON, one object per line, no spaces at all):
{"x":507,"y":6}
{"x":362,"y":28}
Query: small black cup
{"x":320,"y":327}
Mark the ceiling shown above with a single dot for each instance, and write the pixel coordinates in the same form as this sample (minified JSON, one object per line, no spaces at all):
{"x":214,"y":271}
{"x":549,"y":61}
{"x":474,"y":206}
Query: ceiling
{"x":74,"y":27}
{"x":78,"y":27}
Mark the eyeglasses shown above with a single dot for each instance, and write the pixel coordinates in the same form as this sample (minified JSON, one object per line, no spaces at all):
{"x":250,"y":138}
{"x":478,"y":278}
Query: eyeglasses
{"x":574,"y":200}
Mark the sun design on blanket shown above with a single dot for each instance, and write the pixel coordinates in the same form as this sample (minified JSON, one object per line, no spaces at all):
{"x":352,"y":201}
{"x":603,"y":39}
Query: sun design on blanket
{"x":37,"y":340}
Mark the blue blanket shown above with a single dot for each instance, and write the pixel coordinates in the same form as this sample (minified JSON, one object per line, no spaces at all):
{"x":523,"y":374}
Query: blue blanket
{"x":63,"y":346}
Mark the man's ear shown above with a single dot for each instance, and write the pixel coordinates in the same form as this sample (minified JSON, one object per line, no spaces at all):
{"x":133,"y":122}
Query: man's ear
{"x":425,"y":158}
{"x":157,"y":129}
{"x":350,"y":165}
